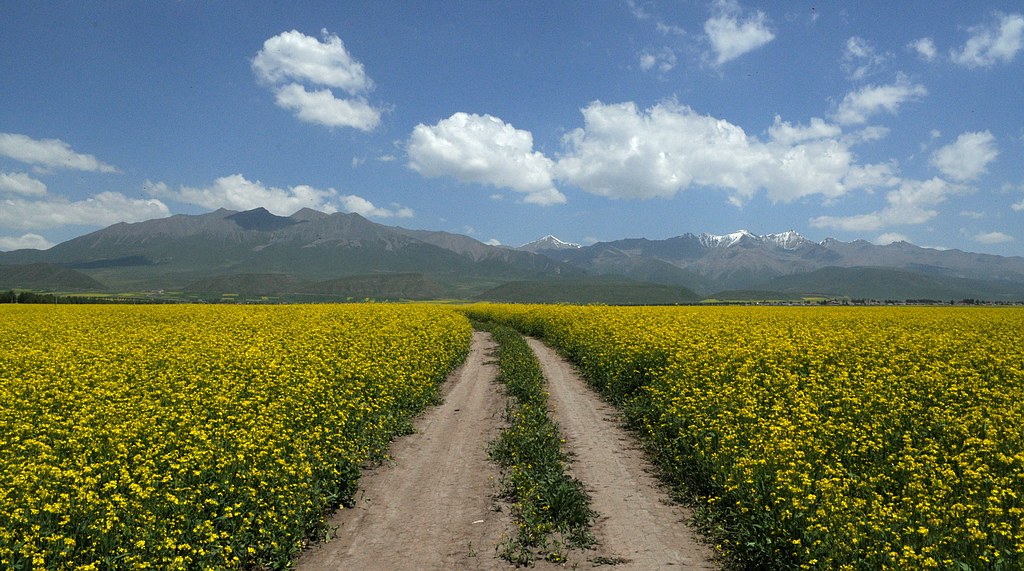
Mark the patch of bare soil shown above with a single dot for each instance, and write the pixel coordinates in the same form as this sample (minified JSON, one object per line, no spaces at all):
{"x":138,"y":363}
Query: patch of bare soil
{"x":638,"y":526}
{"x":432,"y":506}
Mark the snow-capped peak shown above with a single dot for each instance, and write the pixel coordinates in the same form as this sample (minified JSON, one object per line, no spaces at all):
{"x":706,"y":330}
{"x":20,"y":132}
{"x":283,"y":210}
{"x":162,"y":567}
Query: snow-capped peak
{"x":726,"y":240}
{"x":788,"y":240}
{"x":548,"y":242}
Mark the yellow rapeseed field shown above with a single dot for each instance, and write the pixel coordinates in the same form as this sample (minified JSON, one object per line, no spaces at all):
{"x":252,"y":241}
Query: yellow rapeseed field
{"x":136,"y":437}
{"x":833,"y":438}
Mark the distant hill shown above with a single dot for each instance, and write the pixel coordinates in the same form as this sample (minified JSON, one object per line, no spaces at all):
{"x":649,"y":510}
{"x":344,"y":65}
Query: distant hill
{"x":42,"y":276}
{"x":382,"y":286}
{"x":246,"y":284}
{"x":375,"y":286}
{"x":332,"y":256}
{"x":590,"y":291}
{"x":790,"y":263}
{"x":890,"y":284}
{"x":189,"y":250}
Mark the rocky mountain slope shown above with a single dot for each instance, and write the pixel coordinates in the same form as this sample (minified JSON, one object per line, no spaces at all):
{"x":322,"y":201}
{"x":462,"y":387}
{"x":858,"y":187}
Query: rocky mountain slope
{"x":345,"y":254}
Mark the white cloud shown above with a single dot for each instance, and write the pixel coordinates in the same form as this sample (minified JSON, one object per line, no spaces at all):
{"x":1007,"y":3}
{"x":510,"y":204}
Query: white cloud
{"x":878,"y":175}
{"x":730,"y":38}
{"x":21,"y":184}
{"x":911,"y":203}
{"x":995,"y":42}
{"x":1018,"y":206}
{"x":967,"y":157}
{"x":363,"y":207}
{"x":292,"y":59}
{"x":993,"y":237}
{"x":889,"y":238}
{"x":296,"y":56}
{"x":869,"y":133}
{"x":663,"y":60}
{"x":234,"y":192}
{"x":787,"y":134}
{"x":860,"y":59}
{"x":49,"y":153}
{"x":323,"y":108}
{"x":102,"y":209}
{"x":857,"y":106}
{"x":925,"y":48}
{"x":493,"y":242}
{"x":33,"y":241}
{"x":485,"y":150}
{"x":622,"y":152}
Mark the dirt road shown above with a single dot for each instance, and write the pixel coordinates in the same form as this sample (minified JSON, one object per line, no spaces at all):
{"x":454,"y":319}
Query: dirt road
{"x":433,"y":507}
{"x":637,"y":525}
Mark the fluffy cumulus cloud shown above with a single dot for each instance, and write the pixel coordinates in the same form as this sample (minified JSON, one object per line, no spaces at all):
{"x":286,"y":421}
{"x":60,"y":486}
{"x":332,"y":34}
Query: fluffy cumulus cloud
{"x":25,"y":203}
{"x":732,"y":35}
{"x":33,"y":241}
{"x":49,"y":154}
{"x":993,"y":237}
{"x":235,"y":192}
{"x":103,"y":209}
{"x":860,"y":105}
{"x":291,"y":61}
{"x":967,"y":157}
{"x":924,"y":48}
{"x":1018,"y":206}
{"x":323,"y":108}
{"x":623,"y":152}
{"x":296,"y":56}
{"x":19,"y":183}
{"x":363,"y":207}
{"x":998,"y":41}
{"x":486,"y":150}
{"x":789,"y":134}
{"x":912,"y":203}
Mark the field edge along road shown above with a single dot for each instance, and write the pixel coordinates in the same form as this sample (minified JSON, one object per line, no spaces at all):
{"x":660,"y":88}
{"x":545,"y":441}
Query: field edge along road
{"x":433,"y":506}
{"x":638,"y":526}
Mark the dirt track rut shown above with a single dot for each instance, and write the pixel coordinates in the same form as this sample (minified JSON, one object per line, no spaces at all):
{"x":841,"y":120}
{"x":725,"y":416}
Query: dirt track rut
{"x":637,"y":524}
{"x":433,"y":506}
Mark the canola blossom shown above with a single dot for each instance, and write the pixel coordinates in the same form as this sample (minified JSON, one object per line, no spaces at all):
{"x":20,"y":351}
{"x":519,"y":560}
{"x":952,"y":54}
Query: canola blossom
{"x":832,"y":438}
{"x":184,"y":437}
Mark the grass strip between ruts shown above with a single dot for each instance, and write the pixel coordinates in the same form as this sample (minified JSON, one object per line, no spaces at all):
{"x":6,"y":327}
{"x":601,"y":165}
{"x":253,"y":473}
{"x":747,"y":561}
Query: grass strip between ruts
{"x":552,"y":509}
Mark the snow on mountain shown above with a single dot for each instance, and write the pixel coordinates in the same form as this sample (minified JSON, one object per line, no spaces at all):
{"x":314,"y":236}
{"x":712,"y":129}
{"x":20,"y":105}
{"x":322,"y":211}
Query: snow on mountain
{"x":789,"y":240}
{"x":725,"y":240}
{"x":548,"y":242}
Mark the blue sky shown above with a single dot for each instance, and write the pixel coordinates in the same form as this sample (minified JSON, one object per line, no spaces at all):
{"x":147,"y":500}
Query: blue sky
{"x":507,"y":121}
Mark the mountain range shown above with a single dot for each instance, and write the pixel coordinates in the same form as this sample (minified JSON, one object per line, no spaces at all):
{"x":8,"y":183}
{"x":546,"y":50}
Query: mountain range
{"x":311,"y":255}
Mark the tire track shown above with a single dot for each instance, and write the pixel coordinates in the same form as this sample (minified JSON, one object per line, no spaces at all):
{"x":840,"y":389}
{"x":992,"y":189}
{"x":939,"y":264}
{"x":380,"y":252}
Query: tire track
{"x":433,"y":507}
{"x":638,"y":526}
